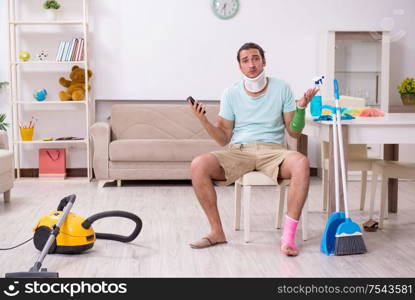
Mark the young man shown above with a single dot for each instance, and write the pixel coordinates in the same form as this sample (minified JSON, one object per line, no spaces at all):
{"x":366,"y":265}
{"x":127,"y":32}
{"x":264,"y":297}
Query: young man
{"x":253,"y":115}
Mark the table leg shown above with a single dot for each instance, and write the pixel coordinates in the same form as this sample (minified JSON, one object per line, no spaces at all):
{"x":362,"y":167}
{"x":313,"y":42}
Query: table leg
{"x":302,"y":144}
{"x":332,"y":196}
{"x":391,"y":152}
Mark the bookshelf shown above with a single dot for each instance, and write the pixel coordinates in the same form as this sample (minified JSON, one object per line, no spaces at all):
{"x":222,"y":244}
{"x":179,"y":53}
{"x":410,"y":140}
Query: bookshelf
{"x":53,"y":108}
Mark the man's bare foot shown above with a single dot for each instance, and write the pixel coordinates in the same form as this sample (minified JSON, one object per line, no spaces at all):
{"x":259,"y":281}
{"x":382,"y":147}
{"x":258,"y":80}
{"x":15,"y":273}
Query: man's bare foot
{"x":288,"y":250}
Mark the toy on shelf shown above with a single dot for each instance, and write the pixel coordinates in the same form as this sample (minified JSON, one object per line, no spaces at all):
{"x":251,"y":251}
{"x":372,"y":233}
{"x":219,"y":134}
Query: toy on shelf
{"x":42,"y":56}
{"x":40,"y":95}
{"x":75,"y":88}
{"x":24,"y":55}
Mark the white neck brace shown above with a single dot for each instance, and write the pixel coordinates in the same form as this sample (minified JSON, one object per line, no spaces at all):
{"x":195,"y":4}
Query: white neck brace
{"x":254,"y":85}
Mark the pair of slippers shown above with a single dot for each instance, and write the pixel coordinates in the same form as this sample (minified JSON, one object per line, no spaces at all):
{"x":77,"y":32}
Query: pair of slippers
{"x":205,"y":242}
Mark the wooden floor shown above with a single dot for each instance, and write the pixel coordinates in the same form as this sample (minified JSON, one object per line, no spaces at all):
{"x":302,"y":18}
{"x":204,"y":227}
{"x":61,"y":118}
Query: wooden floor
{"x":172,"y":218}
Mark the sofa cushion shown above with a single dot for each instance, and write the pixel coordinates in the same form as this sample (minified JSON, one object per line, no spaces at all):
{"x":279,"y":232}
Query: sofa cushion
{"x":152,"y":121}
{"x":160,"y":149}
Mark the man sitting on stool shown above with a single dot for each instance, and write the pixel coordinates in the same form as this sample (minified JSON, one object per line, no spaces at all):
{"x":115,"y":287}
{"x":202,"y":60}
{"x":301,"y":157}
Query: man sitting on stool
{"x":254,"y":113}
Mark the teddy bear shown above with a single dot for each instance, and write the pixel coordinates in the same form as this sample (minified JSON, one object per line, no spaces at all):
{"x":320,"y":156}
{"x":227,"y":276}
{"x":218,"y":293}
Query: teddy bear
{"x":75,"y":88}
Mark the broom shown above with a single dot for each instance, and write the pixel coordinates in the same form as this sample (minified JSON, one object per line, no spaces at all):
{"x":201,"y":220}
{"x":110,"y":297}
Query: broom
{"x":349,"y":239}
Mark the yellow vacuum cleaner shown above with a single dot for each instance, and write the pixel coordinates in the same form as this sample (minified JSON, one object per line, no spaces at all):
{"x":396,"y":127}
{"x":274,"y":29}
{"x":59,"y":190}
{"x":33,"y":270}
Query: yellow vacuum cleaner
{"x":64,"y":232}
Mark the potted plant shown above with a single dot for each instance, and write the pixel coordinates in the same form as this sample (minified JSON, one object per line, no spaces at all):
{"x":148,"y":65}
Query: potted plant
{"x":3,"y":83}
{"x":3,"y":124}
{"x":51,"y":6}
{"x":407,"y":91}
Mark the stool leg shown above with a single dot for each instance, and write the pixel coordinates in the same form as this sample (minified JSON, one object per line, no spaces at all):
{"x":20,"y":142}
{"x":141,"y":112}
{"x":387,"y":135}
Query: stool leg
{"x":363,"y":190}
{"x":304,"y":221}
{"x":247,"y":200}
{"x":237,"y":206}
{"x":383,"y":200}
{"x":373,"y":193}
{"x":280,"y":212}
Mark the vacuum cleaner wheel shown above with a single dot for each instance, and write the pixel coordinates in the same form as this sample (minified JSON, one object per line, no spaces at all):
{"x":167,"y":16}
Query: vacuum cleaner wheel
{"x":40,"y":238}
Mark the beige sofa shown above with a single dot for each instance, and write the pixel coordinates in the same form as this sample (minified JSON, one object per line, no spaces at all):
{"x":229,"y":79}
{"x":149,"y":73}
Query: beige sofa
{"x":149,"y":141}
{"x":6,"y":167}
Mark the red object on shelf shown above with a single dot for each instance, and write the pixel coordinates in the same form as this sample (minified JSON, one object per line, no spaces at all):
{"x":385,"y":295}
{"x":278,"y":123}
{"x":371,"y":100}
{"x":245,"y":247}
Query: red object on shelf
{"x":52,"y":164}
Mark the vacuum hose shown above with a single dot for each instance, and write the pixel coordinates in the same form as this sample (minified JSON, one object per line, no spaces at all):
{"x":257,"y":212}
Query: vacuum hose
{"x":115,"y":213}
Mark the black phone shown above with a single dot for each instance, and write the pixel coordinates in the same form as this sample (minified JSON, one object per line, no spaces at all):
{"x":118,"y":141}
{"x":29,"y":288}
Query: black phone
{"x":191,"y":100}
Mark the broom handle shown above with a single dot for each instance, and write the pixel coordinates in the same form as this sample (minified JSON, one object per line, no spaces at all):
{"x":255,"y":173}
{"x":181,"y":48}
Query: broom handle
{"x":342,"y":163}
{"x":336,"y":164}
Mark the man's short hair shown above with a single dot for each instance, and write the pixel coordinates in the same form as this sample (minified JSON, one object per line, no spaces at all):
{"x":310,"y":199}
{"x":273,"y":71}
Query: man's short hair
{"x":250,"y":45}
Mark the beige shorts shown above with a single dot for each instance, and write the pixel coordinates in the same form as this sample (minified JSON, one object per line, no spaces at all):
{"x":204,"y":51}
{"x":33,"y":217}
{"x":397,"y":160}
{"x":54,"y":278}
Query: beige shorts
{"x":239,"y":159}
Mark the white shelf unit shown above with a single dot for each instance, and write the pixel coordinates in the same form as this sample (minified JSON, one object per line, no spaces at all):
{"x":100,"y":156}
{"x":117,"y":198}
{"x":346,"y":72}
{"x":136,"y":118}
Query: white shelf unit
{"x":362,"y":63}
{"x":50,"y":105}
{"x":364,"y":56}
{"x":83,"y":141}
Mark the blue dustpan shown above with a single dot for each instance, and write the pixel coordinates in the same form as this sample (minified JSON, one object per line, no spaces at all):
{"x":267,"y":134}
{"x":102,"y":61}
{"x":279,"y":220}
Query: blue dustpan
{"x":328,"y":242}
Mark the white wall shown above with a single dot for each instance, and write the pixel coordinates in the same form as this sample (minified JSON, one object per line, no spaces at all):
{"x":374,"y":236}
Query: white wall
{"x":169,"y":49}
{"x":162,"y":42}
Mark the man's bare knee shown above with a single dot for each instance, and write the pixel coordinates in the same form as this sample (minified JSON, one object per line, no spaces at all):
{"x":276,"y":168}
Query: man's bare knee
{"x":301,"y":167}
{"x":206,"y":165}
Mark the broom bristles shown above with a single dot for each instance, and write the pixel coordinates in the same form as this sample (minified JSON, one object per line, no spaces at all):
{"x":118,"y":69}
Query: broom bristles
{"x":349,"y":244}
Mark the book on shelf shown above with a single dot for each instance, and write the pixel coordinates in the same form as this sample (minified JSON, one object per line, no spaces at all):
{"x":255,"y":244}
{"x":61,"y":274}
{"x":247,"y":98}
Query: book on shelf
{"x":65,"y":49}
{"x":80,"y":53}
{"x":73,"y":56}
{"x":70,"y":50}
{"x":60,"y":49}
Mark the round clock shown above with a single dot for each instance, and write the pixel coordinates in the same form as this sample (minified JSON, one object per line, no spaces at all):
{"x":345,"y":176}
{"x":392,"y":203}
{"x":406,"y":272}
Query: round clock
{"x":225,"y":9}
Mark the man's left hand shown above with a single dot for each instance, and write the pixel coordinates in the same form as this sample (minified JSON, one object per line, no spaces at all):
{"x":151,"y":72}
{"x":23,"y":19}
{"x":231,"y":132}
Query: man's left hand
{"x":303,"y":102}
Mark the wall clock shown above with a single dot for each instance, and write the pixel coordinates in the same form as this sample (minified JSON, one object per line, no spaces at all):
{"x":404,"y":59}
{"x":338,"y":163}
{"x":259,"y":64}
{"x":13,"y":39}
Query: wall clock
{"x":225,"y":9}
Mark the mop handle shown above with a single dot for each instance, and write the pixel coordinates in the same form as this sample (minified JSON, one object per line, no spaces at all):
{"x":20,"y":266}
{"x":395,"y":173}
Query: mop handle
{"x":340,"y":140}
{"x":336,"y":164}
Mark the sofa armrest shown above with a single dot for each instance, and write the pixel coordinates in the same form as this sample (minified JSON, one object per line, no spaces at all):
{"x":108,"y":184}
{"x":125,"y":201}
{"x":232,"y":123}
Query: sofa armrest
{"x":100,"y":137}
{"x":4,"y":142}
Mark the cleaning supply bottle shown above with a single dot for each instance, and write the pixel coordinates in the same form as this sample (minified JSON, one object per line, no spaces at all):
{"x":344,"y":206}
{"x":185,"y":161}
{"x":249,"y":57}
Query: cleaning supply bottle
{"x":316,"y":101}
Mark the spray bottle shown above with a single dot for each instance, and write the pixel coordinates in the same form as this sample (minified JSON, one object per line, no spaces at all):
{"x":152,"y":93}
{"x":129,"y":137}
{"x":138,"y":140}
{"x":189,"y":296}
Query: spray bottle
{"x":316,"y":101}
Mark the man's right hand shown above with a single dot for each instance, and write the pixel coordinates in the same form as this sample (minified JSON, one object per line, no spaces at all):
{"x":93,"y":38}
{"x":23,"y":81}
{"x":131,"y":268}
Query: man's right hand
{"x":199,"y":111}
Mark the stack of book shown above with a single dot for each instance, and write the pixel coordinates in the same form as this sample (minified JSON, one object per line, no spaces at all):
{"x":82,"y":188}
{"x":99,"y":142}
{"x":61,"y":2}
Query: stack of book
{"x":71,"y":50}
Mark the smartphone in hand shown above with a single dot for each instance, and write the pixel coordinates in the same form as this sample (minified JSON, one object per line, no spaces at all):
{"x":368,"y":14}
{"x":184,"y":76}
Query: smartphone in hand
{"x":192,"y":101}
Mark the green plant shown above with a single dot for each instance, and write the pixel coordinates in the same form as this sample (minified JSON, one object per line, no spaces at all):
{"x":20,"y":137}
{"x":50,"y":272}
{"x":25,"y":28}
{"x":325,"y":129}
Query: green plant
{"x":3,"y":84}
{"x":407,"y":86}
{"x":3,"y":124}
{"x":51,"y":4}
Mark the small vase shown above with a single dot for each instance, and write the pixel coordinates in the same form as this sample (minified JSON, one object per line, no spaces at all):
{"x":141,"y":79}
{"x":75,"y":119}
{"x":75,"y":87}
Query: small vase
{"x":408,"y":99}
{"x":51,"y":14}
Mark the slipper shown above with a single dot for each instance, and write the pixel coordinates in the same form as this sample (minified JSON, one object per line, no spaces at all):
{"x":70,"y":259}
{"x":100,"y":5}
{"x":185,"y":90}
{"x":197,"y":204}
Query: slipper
{"x":204,"y":243}
{"x":371,"y":226}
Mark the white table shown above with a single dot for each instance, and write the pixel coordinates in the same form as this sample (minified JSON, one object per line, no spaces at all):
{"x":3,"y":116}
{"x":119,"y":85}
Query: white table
{"x":391,"y":130}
